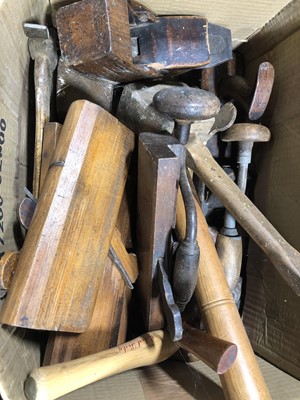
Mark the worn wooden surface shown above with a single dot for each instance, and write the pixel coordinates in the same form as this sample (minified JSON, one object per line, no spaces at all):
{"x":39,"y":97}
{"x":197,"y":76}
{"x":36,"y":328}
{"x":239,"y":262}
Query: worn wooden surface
{"x":55,"y":288}
{"x":51,"y":134}
{"x":244,"y":380}
{"x":158,"y":178}
{"x":230,"y":252}
{"x":108,"y":326}
{"x":97,"y":39}
{"x":7,"y":268}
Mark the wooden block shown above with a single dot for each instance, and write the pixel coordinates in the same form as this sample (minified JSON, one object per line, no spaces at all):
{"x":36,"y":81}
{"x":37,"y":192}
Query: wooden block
{"x":50,"y":138}
{"x":159,"y":163}
{"x":58,"y":274}
{"x":108,"y":326}
{"x":103,"y":39}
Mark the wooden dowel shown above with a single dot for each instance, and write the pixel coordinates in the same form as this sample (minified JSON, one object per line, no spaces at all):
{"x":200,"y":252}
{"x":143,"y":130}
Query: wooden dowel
{"x":218,"y":354}
{"x":243,"y":381}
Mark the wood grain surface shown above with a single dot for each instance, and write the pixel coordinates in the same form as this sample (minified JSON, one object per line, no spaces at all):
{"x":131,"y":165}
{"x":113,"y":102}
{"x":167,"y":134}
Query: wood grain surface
{"x":57,"y":279}
{"x":108,"y":326}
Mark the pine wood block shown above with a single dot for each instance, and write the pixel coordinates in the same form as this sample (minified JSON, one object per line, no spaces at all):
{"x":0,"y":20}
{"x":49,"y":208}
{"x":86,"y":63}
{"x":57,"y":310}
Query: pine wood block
{"x":57,"y":278}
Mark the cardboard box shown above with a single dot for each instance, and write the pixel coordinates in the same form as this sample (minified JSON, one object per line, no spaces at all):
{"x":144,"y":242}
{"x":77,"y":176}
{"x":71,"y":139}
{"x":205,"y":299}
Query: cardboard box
{"x":271,"y":312}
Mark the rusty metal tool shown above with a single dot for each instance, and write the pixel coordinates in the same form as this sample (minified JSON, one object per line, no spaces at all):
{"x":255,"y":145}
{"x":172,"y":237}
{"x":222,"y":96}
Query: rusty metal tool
{"x":186,"y":105}
{"x":72,"y":85}
{"x":125,"y":42}
{"x":106,"y":39}
{"x":171,"y":309}
{"x":42,"y":50}
{"x":7,"y":269}
{"x":253,"y":100}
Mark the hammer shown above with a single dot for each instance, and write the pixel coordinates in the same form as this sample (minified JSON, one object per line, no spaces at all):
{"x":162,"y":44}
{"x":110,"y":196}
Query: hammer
{"x":43,"y":51}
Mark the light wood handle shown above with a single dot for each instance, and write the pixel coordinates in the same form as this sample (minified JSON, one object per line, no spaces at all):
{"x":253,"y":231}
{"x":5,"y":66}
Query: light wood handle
{"x":230,"y":251}
{"x":283,"y":256}
{"x":243,"y":381}
{"x":49,"y":383}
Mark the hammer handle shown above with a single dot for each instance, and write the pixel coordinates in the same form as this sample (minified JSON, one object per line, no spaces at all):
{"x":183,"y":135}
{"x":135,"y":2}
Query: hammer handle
{"x":283,"y":256}
{"x":51,"y":382}
{"x":218,"y":354}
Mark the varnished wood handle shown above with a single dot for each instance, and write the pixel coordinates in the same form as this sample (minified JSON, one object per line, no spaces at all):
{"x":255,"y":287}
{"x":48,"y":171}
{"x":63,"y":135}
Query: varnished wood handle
{"x":49,"y":383}
{"x":218,"y":354}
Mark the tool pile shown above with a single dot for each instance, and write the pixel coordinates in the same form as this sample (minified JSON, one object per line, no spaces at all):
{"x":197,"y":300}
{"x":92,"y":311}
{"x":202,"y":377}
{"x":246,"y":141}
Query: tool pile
{"x":124,"y":186}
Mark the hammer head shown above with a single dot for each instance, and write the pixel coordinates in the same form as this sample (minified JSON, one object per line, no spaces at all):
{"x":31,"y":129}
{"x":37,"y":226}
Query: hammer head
{"x":36,"y":31}
{"x":41,"y":43}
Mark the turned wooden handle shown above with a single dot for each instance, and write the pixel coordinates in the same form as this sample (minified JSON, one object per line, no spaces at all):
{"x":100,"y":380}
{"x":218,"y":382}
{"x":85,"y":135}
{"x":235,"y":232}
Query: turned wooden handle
{"x":218,"y":354}
{"x":283,"y":256}
{"x":230,"y":251}
{"x":243,"y":381}
{"x":49,"y":383}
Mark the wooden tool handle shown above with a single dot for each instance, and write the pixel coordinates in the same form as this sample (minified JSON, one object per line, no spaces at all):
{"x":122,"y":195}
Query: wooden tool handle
{"x":218,"y":354}
{"x":243,"y":381}
{"x":230,"y":251}
{"x":283,"y":256}
{"x":49,"y":383}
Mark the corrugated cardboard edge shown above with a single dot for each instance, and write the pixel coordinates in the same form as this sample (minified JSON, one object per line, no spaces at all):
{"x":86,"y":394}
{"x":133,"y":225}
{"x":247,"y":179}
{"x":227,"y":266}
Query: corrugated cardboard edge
{"x":282,"y":25}
{"x":18,"y":355}
{"x":272,"y":311}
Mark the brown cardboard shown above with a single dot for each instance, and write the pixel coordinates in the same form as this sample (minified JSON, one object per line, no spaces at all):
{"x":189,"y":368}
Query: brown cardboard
{"x":179,"y":381}
{"x":272,"y":311}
